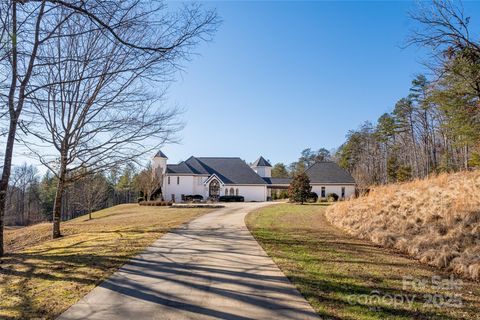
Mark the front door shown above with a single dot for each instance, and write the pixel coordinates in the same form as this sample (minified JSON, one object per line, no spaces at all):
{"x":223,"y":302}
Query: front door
{"x":214,"y":189}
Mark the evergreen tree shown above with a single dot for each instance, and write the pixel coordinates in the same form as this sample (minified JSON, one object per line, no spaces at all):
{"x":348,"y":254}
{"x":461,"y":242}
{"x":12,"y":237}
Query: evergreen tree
{"x":279,"y":170}
{"x":404,"y":173}
{"x":300,"y":188}
{"x":392,"y":169}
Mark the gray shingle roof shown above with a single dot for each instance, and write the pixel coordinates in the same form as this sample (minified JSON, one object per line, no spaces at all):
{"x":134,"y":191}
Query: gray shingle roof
{"x":261,"y":162}
{"x":328,"y":172}
{"x":285,"y":181}
{"x":160,"y":154}
{"x":229,"y":170}
{"x":179,"y":168}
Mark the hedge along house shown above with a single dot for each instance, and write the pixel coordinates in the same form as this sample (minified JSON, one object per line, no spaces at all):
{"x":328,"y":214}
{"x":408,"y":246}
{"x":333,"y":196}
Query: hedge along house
{"x":210,"y":177}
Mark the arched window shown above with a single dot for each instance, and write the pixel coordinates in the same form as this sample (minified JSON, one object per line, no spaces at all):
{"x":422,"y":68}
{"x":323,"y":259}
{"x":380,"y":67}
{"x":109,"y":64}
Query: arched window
{"x":232,"y":192}
{"x":236,"y":192}
{"x":226,"y":191}
{"x":214,"y":189}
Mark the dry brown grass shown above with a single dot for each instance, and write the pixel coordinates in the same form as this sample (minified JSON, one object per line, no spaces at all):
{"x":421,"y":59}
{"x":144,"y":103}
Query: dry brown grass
{"x":40,"y":278}
{"x":336,"y":271}
{"x":435,"y":220}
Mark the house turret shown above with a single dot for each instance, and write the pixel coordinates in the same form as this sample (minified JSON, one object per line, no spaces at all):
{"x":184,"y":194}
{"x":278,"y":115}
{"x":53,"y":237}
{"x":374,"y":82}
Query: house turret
{"x":159,"y":162}
{"x":262,"y":167}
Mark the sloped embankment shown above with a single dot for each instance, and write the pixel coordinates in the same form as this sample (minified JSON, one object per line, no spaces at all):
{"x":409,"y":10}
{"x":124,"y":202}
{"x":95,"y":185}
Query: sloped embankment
{"x":435,"y":220}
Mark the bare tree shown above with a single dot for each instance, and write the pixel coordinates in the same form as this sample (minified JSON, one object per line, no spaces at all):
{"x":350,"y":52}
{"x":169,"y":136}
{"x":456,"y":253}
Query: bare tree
{"x":444,"y":28}
{"x":91,"y":192}
{"x":30,"y":27}
{"x":97,"y":104}
{"x":148,"y":182}
{"x":19,"y":195}
{"x":19,"y":55}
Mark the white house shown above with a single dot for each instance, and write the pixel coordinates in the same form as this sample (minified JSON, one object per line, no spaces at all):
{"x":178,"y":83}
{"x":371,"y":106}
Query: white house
{"x":212,"y":177}
{"x":327,"y":177}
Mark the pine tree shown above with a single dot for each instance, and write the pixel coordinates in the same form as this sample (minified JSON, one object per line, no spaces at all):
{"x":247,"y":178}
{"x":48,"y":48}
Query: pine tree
{"x":279,"y":170}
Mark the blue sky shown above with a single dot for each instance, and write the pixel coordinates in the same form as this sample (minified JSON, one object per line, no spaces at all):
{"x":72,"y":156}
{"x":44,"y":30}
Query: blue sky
{"x":283,"y":76}
{"x":280,"y":77}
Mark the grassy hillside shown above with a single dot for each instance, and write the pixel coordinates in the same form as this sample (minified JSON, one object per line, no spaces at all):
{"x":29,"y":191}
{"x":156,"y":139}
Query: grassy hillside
{"x":436,"y":220}
{"x":43,"y":277}
{"x":344,"y":277}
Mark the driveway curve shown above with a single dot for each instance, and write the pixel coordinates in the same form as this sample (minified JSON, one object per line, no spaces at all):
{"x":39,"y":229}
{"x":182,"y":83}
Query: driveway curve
{"x":212,"y":268}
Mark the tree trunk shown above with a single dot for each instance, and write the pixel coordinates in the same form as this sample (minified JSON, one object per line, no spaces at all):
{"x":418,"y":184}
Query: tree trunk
{"x":57,"y":205}
{"x":7,"y":162}
{"x":7,"y":166}
{"x":57,"y":209}
{"x":15,"y":113}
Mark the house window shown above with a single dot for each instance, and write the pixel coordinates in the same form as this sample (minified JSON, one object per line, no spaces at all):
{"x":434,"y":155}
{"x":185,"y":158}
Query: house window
{"x":232,"y":192}
{"x":168,"y":180}
{"x":173,"y":197}
{"x":323,"y":192}
{"x":214,"y":189}
{"x":343,"y":192}
{"x":226,"y":192}
{"x":236,"y":192}
{"x":183,"y":197}
{"x":178,"y":180}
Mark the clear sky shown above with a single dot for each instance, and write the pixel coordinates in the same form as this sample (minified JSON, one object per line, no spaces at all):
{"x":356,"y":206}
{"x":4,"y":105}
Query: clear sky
{"x":283,"y":76}
{"x":280,"y":77}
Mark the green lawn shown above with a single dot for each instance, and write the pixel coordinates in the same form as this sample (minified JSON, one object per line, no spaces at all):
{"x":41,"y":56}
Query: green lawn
{"x":346,"y":278}
{"x":40,"y":278}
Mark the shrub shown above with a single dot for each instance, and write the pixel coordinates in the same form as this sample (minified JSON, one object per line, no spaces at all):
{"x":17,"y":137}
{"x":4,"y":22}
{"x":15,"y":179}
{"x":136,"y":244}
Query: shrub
{"x":155,"y":203}
{"x":312,"y":197}
{"x":140,"y":199}
{"x":231,"y":199}
{"x":193,"y":197}
{"x":283,"y":194}
{"x":332,"y":197}
{"x":279,"y":194}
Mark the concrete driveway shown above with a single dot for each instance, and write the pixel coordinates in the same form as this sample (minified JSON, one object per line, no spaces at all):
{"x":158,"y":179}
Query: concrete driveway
{"x":212,"y":268}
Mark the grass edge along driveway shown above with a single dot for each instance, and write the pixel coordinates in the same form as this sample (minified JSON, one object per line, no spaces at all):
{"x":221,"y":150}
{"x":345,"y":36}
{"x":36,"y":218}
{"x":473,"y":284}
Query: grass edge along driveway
{"x":346,"y":278}
{"x":41,"y":278}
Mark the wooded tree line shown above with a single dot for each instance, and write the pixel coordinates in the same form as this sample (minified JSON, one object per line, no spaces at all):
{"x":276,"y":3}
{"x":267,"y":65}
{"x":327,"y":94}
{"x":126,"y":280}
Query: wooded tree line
{"x":81,"y":88}
{"x":436,"y":126}
{"x":31,"y":196}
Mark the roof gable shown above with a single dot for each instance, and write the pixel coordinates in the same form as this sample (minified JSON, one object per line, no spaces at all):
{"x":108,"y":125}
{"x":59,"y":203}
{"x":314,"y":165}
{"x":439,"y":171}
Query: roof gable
{"x":160,"y":154}
{"x":213,"y":176}
{"x":328,"y":172}
{"x":261,"y":162}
